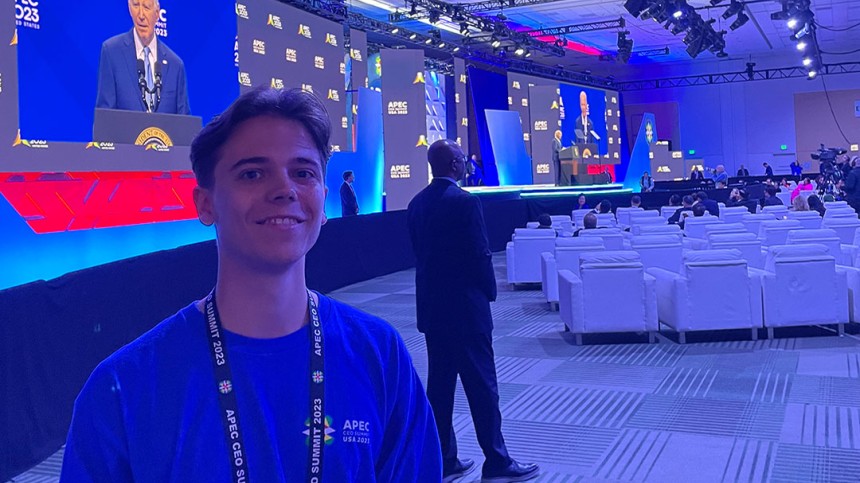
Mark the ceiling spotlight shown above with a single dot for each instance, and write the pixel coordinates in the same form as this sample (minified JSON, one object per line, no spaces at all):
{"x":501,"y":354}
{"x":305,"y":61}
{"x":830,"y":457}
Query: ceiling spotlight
{"x":501,"y":16}
{"x":434,"y":15}
{"x":413,"y":11}
{"x":801,"y":45}
{"x":457,"y":48}
{"x":428,"y":41}
{"x":733,"y":9}
{"x":496,"y":43}
{"x":464,"y":28}
{"x":528,"y":53}
{"x":441,"y":45}
{"x":678,"y":13}
{"x":807,"y":61}
{"x":413,"y":36}
{"x":740,"y":21}
{"x":396,"y":29}
{"x":520,"y":51}
{"x":792,"y":22}
{"x":812,"y":74}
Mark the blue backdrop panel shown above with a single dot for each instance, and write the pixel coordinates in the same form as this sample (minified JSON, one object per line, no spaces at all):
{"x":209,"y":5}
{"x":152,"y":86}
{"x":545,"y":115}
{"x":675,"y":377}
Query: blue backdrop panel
{"x":489,"y":91}
{"x":58,"y":63}
{"x":640,"y":160}
{"x":622,"y":169}
{"x":26,"y":256}
{"x":509,"y":150}
{"x":367,"y":162}
{"x":596,"y":111}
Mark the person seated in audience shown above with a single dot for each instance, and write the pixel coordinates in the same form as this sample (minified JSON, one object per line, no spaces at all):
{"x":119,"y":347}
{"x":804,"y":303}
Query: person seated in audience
{"x":603,"y":207}
{"x":721,"y":185}
{"x":697,"y":211}
{"x":815,"y":204}
{"x":804,"y":185}
{"x":687,"y":205}
{"x":737,"y":197}
{"x":710,"y":205}
{"x":581,"y":203}
{"x":743,"y":171}
{"x":589,"y":222}
{"x":674,"y":200}
{"x":799,"y":204}
{"x":545,"y":222}
{"x":636,"y":201}
{"x":820,"y":185}
{"x":646,"y":182}
{"x":770,"y":198}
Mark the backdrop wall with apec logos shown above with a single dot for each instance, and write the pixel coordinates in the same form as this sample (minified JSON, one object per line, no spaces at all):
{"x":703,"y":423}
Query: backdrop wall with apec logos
{"x":544,"y":121}
{"x":285,"y":47}
{"x":404,"y":125}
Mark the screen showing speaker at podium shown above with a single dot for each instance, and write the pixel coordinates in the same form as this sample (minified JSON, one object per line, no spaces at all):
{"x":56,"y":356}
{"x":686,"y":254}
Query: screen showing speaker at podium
{"x":161,"y":56}
{"x":590,"y":120}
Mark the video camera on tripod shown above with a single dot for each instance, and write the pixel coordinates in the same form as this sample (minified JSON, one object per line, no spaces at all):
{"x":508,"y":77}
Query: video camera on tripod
{"x":832,"y":173}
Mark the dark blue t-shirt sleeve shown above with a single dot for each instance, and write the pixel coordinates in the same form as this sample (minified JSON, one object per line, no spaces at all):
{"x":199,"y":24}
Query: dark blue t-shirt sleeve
{"x":410,"y":446}
{"x":96,"y":446}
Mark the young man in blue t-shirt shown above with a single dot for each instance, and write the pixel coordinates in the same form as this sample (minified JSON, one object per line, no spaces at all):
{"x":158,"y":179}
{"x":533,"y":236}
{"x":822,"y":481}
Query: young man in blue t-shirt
{"x":263,"y":380}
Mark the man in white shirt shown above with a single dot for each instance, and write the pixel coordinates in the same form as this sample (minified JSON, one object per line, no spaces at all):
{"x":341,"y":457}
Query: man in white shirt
{"x":138,"y":72}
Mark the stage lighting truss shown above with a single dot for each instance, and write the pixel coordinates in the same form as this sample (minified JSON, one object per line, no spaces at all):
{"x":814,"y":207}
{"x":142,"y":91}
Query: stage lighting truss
{"x":679,"y":17}
{"x":477,"y":27}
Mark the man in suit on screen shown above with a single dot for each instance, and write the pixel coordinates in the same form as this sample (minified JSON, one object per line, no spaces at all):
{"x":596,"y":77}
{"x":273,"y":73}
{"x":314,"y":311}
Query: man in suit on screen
{"x":454,"y":285}
{"x":139,"y":72}
{"x":584,"y":126}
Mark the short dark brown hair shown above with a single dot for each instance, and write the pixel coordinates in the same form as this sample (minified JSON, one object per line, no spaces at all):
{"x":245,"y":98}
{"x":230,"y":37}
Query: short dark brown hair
{"x":293,"y":104}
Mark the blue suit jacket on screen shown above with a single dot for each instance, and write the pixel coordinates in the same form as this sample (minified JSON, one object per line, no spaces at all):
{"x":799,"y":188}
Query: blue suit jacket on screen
{"x":454,"y":278}
{"x":118,"y":78}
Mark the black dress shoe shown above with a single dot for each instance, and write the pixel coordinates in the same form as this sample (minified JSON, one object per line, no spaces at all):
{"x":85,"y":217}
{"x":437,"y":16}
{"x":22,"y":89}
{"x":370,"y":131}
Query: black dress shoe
{"x":459,"y":470}
{"x":514,"y":472}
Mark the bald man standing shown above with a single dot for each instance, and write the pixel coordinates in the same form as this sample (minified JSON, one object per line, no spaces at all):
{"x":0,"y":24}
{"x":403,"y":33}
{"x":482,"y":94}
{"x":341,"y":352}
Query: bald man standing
{"x":454,"y":285}
{"x":584,"y":126}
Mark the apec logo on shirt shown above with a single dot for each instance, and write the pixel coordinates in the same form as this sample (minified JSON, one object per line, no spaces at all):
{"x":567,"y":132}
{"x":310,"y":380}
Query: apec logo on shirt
{"x":356,"y":431}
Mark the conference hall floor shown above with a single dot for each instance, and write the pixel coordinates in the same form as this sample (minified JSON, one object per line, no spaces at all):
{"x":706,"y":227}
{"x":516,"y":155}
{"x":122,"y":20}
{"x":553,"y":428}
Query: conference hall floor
{"x":721,"y":408}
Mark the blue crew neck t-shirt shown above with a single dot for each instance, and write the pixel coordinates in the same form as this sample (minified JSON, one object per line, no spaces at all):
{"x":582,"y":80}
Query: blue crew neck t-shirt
{"x":150,"y":411}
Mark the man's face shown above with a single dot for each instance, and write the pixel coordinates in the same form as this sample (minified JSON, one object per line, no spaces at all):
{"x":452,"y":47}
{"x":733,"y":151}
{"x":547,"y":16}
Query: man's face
{"x":583,"y":103}
{"x":351,"y":179}
{"x":144,"y":13}
{"x":268,"y":194}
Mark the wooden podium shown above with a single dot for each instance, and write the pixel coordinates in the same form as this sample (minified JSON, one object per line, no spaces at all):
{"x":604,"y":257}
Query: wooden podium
{"x":574,"y":162}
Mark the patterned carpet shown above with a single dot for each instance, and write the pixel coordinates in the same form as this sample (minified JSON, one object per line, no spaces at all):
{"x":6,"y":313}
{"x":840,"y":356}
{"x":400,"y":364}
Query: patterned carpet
{"x":721,"y":408}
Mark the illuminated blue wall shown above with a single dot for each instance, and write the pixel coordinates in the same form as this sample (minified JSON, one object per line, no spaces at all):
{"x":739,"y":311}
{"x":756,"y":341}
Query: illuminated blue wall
{"x":509,"y":149}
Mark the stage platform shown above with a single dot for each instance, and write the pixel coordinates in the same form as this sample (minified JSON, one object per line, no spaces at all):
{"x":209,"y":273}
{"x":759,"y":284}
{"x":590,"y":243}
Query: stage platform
{"x":546,"y":190}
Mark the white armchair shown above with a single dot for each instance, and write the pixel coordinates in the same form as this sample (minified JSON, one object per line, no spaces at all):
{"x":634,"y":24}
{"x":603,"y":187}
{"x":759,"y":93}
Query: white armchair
{"x":834,"y":204}
{"x":659,"y":251}
{"x":658,"y":229}
{"x":801,"y":286}
{"x":808,"y":219}
{"x":694,"y":226}
{"x":612,"y":237}
{"x":840,"y":212}
{"x":566,"y":257}
{"x":785,"y":196}
{"x":721,"y":228}
{"x":778,"y":211}
{"x":752,"y":222}
{"x":622,"y":214}
{"x":733,"y":214}
{"x":844,"y":227}
{"x":714,"y":291}
{"x":523,"y":254}
{"x":612,"y":293}
{"x":827,"y":237}
{"x":746,"y":243}
{"x":577,"y":215}
{"x":775,"y":232}
{"x":606,"y":220}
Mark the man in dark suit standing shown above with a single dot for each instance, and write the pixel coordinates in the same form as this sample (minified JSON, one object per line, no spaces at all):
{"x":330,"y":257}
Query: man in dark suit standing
{"x":556,"y":160}
{"x":743,"y":171}
{"x":348,"y":201}
{"x":455,"y":283}
{"x":138,"y":57}
{"x":768,"y":171}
